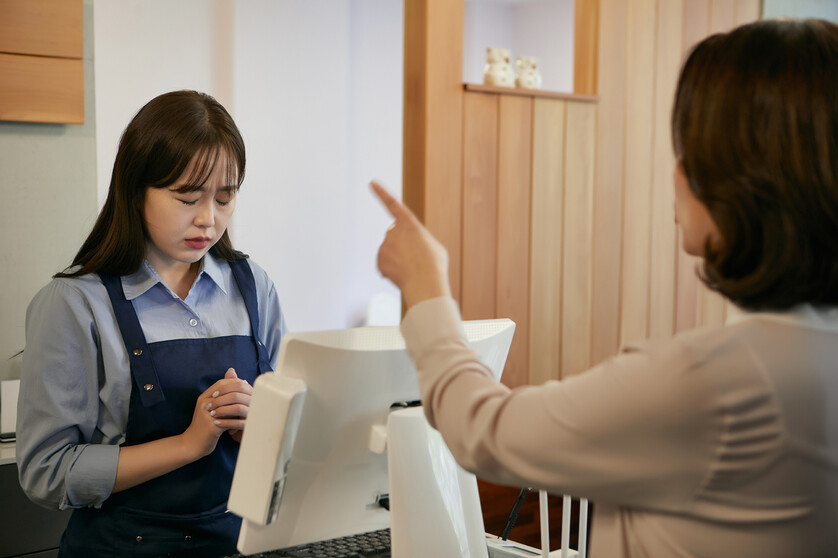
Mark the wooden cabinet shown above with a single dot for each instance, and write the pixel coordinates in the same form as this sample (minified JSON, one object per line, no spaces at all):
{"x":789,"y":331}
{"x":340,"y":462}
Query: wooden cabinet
{"x":41,"y":61}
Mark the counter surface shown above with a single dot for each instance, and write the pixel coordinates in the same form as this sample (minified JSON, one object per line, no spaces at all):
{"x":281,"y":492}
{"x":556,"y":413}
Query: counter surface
{"x":7,"y":453}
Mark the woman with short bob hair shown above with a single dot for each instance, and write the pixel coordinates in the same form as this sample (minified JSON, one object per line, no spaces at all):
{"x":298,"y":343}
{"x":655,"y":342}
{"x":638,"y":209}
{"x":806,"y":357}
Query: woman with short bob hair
{"x":722,"y":441}
{"x":754,"y":130}
{"x":140,"y":357}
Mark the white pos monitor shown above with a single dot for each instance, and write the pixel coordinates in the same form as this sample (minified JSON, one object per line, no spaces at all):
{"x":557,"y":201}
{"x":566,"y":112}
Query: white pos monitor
{"x":313,"y":463}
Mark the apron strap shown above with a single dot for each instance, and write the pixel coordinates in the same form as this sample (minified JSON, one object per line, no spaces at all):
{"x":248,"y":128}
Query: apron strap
{"x":247,"y":285}
{"x":146,"y":381}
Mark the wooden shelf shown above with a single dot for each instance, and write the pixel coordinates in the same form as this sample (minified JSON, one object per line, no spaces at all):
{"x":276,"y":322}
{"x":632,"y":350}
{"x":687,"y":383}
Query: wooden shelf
{"x":529,"y":92}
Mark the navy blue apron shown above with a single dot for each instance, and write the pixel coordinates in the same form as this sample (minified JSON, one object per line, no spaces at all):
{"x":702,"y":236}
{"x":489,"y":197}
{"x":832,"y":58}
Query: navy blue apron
{"x":182,"y":513}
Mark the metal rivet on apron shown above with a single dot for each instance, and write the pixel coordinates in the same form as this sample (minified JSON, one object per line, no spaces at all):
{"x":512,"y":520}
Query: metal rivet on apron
{"x":148,"y":387}
{"x":139,"y":538}
{"x":187,"y":538}
{"x":138,"y":352}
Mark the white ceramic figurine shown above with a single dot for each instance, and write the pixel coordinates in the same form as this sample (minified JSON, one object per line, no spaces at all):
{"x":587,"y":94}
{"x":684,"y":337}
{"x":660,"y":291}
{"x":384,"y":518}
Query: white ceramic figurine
{"x":498,"y":69}
{"x":529,"y":76}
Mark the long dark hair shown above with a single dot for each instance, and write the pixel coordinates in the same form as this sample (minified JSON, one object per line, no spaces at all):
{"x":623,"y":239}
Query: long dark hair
{"x":155,"y":149}
{"x":755,"y":126}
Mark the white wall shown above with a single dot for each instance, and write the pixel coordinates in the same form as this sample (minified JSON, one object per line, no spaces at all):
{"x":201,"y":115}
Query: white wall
{"x":48,"y":193}
{"x":540,"y":28}
{"x":315,"y":87}
{"x":823,"y":9}
{"x":147,"y":47}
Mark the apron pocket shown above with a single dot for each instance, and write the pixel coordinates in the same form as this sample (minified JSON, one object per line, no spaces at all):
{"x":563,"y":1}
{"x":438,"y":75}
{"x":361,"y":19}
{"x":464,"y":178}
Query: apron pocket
{"x":141,"y":534}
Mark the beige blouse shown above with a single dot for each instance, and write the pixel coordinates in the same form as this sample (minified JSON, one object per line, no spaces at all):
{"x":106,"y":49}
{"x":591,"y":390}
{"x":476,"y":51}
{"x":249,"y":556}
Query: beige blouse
{"x":718,"y":442}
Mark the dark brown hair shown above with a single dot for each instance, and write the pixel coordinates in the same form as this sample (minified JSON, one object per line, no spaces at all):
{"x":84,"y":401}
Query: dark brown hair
{"x":155,"y":149}
{"x":755,"y":127}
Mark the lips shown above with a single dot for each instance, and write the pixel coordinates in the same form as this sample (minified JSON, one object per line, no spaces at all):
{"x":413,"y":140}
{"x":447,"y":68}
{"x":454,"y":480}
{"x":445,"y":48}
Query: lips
{"x":197,"y":243}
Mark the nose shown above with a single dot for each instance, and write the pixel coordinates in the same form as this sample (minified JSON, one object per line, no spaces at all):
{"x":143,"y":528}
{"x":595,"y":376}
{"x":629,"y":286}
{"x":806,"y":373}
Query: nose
{"x":205,"y":216}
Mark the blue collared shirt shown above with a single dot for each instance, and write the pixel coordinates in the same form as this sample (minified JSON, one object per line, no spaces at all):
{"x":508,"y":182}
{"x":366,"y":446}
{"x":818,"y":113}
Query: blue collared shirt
{"x":76,"y":380}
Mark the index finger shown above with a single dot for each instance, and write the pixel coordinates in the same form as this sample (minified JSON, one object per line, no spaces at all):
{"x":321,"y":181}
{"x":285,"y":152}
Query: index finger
{"x":393,"y":206}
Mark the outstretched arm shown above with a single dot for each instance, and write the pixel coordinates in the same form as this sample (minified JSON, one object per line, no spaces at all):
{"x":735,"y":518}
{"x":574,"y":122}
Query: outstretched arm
{"x":410,"y":256}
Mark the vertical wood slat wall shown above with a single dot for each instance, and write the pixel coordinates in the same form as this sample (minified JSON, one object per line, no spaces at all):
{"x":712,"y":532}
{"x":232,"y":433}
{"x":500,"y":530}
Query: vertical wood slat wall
{"x":566,"y":218}
{"x":527,"y":225}
{"x":645,"y":286}
{"x":565,"y":288}
{"x":582,"y":167}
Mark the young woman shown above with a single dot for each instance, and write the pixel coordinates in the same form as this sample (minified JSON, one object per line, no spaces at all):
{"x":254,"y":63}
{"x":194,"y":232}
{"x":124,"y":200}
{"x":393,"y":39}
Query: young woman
{"x":722,"y":441}
{"x":140,"y":357}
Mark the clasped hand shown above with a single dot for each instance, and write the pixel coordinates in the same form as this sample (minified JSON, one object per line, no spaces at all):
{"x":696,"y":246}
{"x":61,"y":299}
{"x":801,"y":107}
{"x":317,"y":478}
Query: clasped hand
{"x":222,"y":407}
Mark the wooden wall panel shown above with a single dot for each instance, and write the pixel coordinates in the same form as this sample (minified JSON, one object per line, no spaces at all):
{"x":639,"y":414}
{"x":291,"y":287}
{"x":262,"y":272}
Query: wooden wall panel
{"x":42,"y":27}
{"x":513,"y":257}
{"x":712,"y":308}
{"x":41,"y":67}
{"x":480,"y":205}
{"x":695,"y":26}
{"x":640,"y":66}
{"x":664,"y":248}
{"x":548,"y":165}
{"x":642,"y":45}
{"x":687,"y":286}
{"x":722,"y":15}
{"x":608,"y":187}
{"x":578,"y":237}
{"x":41,"y":89}
{"x":748,"y":11}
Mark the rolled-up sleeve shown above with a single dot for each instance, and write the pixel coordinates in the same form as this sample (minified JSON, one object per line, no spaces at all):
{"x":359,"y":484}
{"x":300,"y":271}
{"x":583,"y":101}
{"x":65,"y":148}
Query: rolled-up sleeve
{"x":61,"y":456}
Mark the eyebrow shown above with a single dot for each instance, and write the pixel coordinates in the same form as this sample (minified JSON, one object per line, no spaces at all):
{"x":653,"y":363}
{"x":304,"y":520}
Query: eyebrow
{"x":189,"y":188}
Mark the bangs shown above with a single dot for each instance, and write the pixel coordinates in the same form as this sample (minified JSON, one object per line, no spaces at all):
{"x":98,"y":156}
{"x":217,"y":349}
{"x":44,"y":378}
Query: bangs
{"x":203,"y":165}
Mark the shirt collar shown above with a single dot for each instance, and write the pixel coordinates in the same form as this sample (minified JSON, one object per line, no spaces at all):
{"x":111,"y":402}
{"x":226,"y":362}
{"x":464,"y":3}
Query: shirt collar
{"x":214,"y":269}
{"x":139,"y":282}
{"x":803,"y":314}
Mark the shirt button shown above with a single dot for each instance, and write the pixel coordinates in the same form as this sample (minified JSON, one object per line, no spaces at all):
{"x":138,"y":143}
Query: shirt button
{"x":148,"y":387}
{"x":139,"y":538}
{"x":193,"y":322}
{"x":187,"y":538}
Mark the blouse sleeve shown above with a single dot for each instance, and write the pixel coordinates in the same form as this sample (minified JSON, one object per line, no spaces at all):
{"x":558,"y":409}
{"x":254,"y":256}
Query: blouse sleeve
{"x":272,"y":322}
{"x":635,"y":430}
{"x":60,"y":463}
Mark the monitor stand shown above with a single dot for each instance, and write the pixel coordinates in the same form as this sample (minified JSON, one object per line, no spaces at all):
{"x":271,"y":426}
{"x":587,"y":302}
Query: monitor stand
{"x":434,"y":503}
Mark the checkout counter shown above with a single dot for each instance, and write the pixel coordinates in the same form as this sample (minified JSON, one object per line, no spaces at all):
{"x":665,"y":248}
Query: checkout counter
{"x":26,"y":529}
